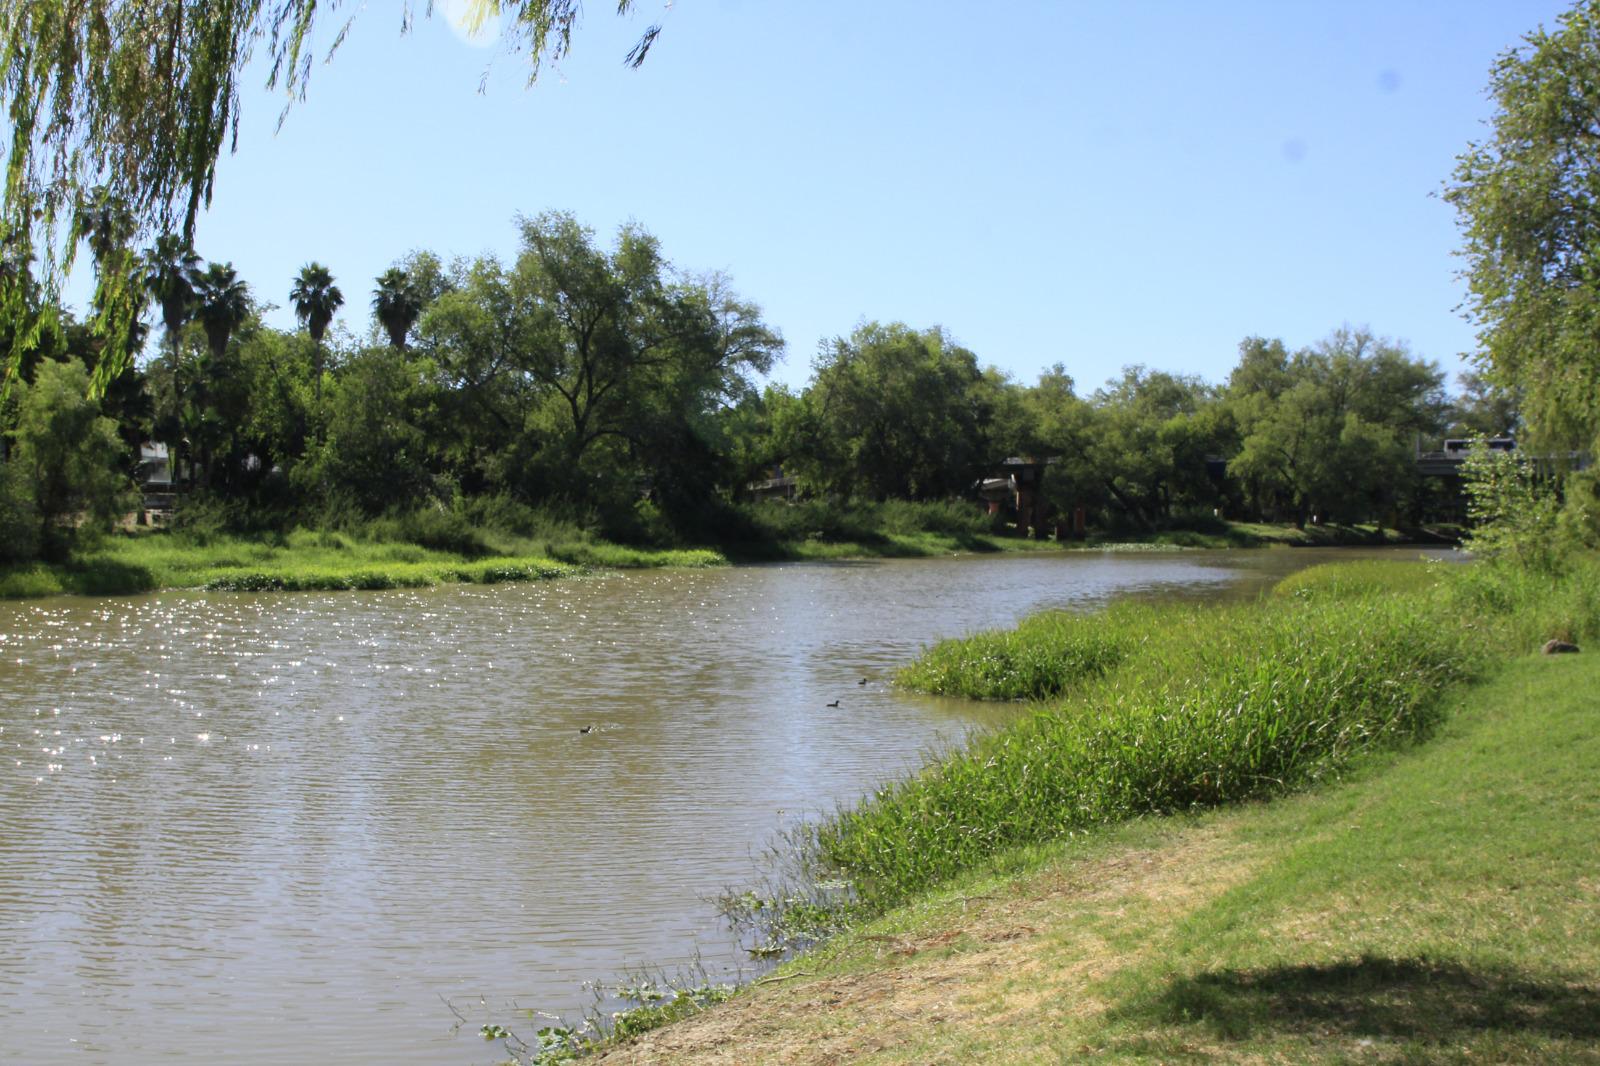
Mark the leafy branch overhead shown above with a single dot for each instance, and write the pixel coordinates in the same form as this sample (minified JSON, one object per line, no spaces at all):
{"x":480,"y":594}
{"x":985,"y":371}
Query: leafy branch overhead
{"x":1527,"y":199}
{"x":128,"y":104}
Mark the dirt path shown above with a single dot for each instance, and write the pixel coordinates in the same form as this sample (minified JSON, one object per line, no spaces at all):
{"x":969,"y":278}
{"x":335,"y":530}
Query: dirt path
{"x":1024,"y":957}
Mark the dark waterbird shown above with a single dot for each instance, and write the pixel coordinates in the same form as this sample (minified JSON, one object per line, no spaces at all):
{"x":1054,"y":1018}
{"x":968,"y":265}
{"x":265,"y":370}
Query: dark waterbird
{"x":586,"y":729}
{"x":835,"y":703}
{"x":863,"y":681}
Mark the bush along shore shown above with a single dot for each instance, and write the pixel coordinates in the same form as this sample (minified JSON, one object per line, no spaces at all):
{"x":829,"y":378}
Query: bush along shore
{"x":226,"y":551}
{"x":1146,"y":717}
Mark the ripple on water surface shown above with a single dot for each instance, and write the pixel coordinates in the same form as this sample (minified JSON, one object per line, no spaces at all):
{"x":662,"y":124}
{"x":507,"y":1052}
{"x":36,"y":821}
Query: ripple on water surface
{"x":278,"y":827}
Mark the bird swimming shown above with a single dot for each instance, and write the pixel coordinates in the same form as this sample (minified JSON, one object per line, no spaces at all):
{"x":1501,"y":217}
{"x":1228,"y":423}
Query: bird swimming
{"x":835,"y":703}
{"x":863,"y":681}
{"x":586,"y":729}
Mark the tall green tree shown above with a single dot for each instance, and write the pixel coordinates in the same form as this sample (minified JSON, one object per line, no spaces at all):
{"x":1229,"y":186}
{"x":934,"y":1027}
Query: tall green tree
{"x":619,"y":340}
{"x":64,"y":467}
{"x":1527,"y":199}
{"x":1330,"y":430}
{"x":222,"y":304}
{"x":170,"y":270}
{"x":588,"y":372}
{"x":316,"y":299}
{"x":1483,"y":408}
{"x":1149,"y":443}
{"x":396,"y":304}
{"x":892,"y":412}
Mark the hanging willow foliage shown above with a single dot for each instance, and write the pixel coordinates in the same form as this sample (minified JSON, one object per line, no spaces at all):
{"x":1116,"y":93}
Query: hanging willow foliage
{"x":119,"y":110}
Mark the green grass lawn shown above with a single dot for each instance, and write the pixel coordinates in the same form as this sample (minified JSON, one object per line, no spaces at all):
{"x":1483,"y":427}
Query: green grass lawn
{"x":1441,"y":904}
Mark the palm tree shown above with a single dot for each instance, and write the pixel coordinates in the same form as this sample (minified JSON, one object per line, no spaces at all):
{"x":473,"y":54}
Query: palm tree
{"x":315,"y":299}
{"x":222,"y":303}
{"x":170,"y":268}
{"x":396,"y":304}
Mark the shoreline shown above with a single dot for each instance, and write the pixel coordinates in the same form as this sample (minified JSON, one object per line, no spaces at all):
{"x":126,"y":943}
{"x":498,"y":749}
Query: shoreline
{"x":1271,"y":932}
{"x":313,"y":560}
{"x":909,"y":945}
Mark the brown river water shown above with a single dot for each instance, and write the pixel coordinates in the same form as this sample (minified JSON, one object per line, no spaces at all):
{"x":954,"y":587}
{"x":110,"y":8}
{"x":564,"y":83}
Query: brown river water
{"x":261,"y":828}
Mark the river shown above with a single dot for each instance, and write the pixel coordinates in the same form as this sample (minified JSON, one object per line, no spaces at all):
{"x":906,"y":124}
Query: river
{"x":262,"y":828}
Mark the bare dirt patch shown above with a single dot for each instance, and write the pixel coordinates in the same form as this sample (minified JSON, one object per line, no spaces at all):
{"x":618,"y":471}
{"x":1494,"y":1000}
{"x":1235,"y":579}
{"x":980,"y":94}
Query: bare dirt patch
{"x":1020,"y":963}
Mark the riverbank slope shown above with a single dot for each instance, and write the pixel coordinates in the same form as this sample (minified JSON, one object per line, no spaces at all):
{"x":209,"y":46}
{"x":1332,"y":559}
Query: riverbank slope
{"x":1437,"y":905}
{"x":306,"y":559}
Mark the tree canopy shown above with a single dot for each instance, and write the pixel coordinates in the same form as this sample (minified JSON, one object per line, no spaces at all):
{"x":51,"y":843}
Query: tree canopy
{"x":128,"y":104}
{"x":1527,"y":199}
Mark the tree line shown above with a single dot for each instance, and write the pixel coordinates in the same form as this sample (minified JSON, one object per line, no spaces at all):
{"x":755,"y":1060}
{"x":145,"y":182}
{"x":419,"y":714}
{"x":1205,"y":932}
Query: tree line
{"x":260,"y":429}
{"x":601,"y":381}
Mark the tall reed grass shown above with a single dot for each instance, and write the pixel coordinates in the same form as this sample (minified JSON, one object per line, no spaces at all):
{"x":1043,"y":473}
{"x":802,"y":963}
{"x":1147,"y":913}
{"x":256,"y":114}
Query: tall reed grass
{"x":1042,"y":657}
{"x":1170,"y":708}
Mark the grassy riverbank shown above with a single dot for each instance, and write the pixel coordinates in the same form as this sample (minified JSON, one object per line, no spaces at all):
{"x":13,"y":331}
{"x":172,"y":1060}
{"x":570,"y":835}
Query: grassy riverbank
{"x":305,"y":559}
{"x":1438,"y":905}
{"x":1083,"y":898}
{"x":415,"y":552}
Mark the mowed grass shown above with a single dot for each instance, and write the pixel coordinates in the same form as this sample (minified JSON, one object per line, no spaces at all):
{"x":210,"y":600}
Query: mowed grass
{"x":1438,"y":904}
{"x":306,"y":559}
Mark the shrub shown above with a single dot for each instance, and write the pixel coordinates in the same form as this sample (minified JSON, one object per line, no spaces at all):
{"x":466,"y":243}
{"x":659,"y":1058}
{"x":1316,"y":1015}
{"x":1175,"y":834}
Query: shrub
{"x":440,"y":530}
{"x":65,"y":469}
{"x":1515,"y":513}
{"x":1042,"y":657}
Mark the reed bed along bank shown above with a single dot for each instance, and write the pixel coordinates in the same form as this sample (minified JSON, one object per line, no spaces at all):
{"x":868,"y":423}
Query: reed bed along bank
{"x":1158,"y":709}
{"x":322,"y":560}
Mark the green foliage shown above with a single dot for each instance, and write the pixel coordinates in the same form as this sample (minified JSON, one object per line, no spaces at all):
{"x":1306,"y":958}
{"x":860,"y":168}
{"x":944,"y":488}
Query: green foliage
{"x":860,"y":522}
{"x":376,"y":449}
{"x":19,"y":524}
{"x":551,"y":523}
{"x":1523,"y":607}
{"x":1147,"y":441}
{"x":1167,"y":709}
{"x":1524,"y":199}
{"x":221,"y":304}
{"x":1328,"y":430}
{"x":397,"y":302}
{"x":64,"y":475}
{"x":1349,"y":580}
{"x":891,"y":412}
{"x":1044,"y":656}
{"x":27,"y":581}
{"x":433,"y":528}
{"x":582,"y":374}
{"x":683,"y":1003}
{"x":315,"y":298}
{"x":119,"y":111}
{"x":600,"y":389}
{"x":1515,"y":514}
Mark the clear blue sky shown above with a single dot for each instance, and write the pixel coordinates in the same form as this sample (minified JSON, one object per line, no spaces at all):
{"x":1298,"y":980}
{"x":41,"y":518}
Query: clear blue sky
{"x":1094,"y":184}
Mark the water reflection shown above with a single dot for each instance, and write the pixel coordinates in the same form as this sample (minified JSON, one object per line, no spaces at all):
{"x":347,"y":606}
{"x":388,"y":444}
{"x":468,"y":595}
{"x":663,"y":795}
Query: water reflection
{"x":277,"y":828}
